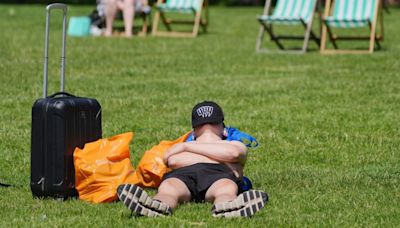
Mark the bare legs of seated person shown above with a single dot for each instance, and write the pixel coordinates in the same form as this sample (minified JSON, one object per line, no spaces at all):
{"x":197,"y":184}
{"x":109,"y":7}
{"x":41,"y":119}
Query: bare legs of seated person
{"x":128,"y":12}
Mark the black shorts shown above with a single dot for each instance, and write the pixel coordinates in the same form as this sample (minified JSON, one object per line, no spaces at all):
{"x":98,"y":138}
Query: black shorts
{"x":199,"y":177}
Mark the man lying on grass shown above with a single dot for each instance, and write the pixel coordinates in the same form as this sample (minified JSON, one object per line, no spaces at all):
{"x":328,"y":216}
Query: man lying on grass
{"x":206,"y":169}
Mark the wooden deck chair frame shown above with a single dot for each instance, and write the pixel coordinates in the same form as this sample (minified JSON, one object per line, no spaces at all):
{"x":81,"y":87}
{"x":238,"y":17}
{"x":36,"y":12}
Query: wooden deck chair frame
{"x":373,"y":37}
{"x":201,"y":18}
{"x":309,"y":34}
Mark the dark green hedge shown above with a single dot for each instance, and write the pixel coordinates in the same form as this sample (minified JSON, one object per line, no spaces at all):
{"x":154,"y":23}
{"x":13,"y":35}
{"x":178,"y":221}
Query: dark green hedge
{"x":93,"y":2}
{"x":83,"y":2}
{"x":212,"y":2}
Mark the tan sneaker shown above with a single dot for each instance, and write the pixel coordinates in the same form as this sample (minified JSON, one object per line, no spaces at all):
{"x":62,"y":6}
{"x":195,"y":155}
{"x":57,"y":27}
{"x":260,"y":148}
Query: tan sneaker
{"x":245,"y":205}
{"x":139,"y":202}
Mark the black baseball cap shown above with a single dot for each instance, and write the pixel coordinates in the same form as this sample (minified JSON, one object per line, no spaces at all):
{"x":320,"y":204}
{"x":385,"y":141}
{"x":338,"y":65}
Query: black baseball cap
{"x":207,"y":112}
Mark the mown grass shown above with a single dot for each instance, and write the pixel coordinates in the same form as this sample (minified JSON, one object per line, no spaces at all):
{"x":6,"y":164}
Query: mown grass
{"x":327,"y":125}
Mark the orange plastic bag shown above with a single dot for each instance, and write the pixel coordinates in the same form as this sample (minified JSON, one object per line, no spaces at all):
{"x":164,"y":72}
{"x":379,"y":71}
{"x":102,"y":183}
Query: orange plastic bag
{"x":101,"y":166}
{"x":151,"y":167}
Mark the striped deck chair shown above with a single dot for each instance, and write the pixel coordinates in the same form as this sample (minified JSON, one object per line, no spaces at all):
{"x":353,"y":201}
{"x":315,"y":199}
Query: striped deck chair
{"x":197,"y":7}
{"x":292,"y":12}
{"x":352,"y":14}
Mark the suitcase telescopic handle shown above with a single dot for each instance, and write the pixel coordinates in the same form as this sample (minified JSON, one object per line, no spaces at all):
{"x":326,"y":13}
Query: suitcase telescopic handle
{"x":50,"y":7}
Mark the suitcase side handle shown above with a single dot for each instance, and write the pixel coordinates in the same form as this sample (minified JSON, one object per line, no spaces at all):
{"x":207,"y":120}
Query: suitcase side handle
{"x":50,"y":7}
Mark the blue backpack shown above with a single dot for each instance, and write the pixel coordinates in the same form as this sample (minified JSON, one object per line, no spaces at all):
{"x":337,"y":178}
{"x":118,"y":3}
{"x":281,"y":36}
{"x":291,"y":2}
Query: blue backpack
{"x":233,"y":134}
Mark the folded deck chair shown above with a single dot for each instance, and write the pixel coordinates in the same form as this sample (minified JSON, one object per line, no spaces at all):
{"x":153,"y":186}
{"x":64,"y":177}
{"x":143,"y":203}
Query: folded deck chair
{"x":291,"y":12}
{"x":351,"y":14}
{"x":195,"y":7}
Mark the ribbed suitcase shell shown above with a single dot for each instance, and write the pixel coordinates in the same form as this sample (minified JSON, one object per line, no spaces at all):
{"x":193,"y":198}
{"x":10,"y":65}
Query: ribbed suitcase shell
{"x":59,"y":124}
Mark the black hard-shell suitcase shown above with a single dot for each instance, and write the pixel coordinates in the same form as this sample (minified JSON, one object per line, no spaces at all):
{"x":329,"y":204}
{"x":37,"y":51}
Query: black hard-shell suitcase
{"x":60,"y":123}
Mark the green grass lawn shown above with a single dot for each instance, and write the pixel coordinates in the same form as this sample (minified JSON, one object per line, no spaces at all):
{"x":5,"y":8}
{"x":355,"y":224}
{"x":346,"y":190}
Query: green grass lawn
{"x":328,"y":126}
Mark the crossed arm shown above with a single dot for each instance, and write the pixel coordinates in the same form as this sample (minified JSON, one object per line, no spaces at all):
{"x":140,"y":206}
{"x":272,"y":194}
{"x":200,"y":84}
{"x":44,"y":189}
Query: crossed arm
{"x":223,"y":151}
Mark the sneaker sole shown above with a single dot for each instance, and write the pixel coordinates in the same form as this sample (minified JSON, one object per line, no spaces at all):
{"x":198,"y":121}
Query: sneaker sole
{"x":245,"y":205}
{"x":137,"y":200}
{"x":143,"y":211}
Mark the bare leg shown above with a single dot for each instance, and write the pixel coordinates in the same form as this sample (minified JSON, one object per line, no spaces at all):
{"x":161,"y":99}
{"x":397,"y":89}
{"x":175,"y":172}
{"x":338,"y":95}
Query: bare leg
{"x":111,"y":10}
{"x":128,"y":12}
{"x":222,"y":190}
{"x":145,"y":6}
{"x":173,"y":191}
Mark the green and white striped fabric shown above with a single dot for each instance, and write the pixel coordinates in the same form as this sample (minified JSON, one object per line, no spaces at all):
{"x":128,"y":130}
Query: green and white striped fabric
{"x":291,"y":12}
{"x":183,"y":6}
{"x":352,"y":13}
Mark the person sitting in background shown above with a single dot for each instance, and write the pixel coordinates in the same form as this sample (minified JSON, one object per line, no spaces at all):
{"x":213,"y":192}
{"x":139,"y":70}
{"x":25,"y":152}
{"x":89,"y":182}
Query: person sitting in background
{"x":207,"y":169}
{"x":128,"y":8}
